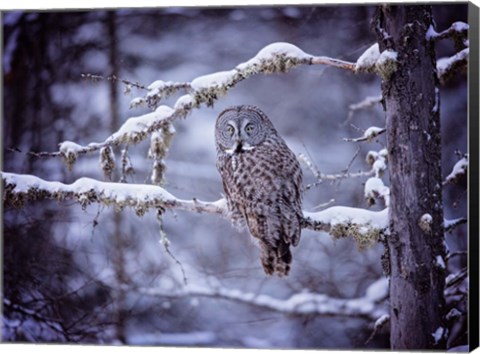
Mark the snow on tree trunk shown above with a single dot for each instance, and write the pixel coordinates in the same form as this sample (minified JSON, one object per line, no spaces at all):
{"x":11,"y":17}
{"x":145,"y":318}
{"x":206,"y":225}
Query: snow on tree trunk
{"x":416,"y":243}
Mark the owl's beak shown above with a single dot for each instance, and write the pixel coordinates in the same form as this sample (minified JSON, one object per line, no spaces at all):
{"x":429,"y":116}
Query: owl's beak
{"x":238,"y":146}
{"x":241,"y":146}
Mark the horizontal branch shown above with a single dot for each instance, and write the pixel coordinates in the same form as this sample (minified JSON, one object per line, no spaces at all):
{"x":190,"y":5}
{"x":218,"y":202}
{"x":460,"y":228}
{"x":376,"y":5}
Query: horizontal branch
{"x":458,"y":32}
{"x":449,"y":225}
{"x":447,"y":67}
{"x":459,"y":169}
{"x":369,"y":134}
{"x":365,"y":226}
{"x":368,"y":306}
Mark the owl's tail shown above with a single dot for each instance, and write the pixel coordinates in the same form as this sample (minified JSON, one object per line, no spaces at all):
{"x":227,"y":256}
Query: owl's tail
{"x":276,"y":258}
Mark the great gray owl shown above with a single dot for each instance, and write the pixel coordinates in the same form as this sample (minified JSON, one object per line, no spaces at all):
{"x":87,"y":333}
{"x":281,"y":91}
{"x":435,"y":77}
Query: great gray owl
{"x":262,"y":181}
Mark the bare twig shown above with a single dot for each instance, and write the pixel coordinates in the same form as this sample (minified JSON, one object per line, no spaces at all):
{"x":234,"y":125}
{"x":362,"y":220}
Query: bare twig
{"x":367,"y":102}
{"x":115,"y":79}
{"x":379,"y":324}
{"x":333,"y":62}
{"x":330,"y":177}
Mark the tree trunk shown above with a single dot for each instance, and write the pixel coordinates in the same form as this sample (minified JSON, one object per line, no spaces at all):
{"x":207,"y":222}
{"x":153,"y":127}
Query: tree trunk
{"x":416,"y":242}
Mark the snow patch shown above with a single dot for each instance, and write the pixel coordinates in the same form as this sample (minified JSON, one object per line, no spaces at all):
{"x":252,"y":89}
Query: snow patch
{"x":136,"y":126}
{"x":378,"y":290}
{"x":441,"y":262}
{"x":438,"y":334}
{"x":272,"y":50}
{"x":221,"y":78}
{"x":366,"y":62}
{"x":431,"y":33}
{"x":344,"y":215}
{"x":458,"y":169}
{"x":69,"y":147}
{"x":445,"y":64}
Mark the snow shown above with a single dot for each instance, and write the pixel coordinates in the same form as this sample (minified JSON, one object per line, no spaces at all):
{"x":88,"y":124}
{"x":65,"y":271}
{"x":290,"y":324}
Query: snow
{"x":381,"y":321}
{"x":182,"y":101}
{"x":459,"y":168}
{"x":448,"y":223}
{"x":441,"y":262}
{"x":175,"y":339}
{"x":221,"y":78}
{"x":69,"y":147}
{"x":343,"y":214}
{"x":445,"y":64}
{"x":137,"y":101}
{"x":119,"y":192}
{"x":438,"y":334}
{"x":372,"y":132}
{"x":275,"y":49}
{"x":368,"y":59}
{"x":299,"y":303}
{"x":426,"y":218}
{"x":138,"y":125}
{"x":385,"y":56}
{"x":157,"y":85}
{"x":431,"y":33}
{"x":378,"y":290}
{"x":460,"y":26}
{"x":453,"y":313}
{"x":379,"y":166}
{"x":374,"y":188}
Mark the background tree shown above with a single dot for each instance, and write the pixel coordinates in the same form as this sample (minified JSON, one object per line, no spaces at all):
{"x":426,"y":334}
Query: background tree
{"x":149,"y":292}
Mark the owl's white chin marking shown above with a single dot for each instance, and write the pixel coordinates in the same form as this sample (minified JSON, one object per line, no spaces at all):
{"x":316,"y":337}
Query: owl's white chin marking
{"x":239,"y":148}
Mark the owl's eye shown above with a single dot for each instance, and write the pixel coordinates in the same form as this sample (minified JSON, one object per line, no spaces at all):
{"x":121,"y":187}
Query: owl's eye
{"x":230,"y":130}
{"x":249,"y":128}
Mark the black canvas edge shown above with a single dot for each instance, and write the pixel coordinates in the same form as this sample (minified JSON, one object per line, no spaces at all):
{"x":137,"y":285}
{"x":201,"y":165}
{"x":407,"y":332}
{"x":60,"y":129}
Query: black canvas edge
{"x":473,"y":160}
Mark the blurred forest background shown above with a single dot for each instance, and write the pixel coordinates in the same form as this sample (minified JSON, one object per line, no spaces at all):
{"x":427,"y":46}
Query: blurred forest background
{"x":59,"y":261}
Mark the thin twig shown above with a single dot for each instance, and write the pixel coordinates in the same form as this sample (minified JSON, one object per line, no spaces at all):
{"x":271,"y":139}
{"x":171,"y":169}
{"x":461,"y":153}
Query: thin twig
{"x":115,"y":79}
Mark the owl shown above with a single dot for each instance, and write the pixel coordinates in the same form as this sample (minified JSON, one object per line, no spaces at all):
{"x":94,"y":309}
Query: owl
{"x":262,"y":182}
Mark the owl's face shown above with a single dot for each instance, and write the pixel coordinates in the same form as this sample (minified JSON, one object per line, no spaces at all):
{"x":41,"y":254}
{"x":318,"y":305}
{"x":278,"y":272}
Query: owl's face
{"x":241,"y":128}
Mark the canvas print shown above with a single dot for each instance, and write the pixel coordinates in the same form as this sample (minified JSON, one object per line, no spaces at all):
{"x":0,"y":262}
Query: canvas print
{"x":273,"y":177}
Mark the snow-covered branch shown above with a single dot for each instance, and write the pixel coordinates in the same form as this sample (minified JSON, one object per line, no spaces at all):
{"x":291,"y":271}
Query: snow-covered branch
{"x":276,"y":57}
{"x":447,"y":67}
{"x":383,"y":64}
{"x":458,"y":32}
{"x":449,"y":225}
{"x":459,"y":169}
{"x":19,"y":189}
{"x":368,"y":135}
{"x":364,"y":226}
{"x":368,"y":306}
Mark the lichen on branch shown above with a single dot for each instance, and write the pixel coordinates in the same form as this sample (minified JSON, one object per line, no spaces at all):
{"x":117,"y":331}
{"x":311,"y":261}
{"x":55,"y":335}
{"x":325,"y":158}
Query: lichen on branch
{"x":363,"y":225}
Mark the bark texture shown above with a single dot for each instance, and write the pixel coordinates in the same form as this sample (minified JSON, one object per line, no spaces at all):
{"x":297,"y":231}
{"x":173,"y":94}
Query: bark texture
{"x":416,"y":243}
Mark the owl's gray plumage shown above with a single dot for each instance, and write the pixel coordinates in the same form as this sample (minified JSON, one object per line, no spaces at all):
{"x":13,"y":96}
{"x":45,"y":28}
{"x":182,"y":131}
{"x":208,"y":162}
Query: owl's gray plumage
{"x":262,"y":182}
